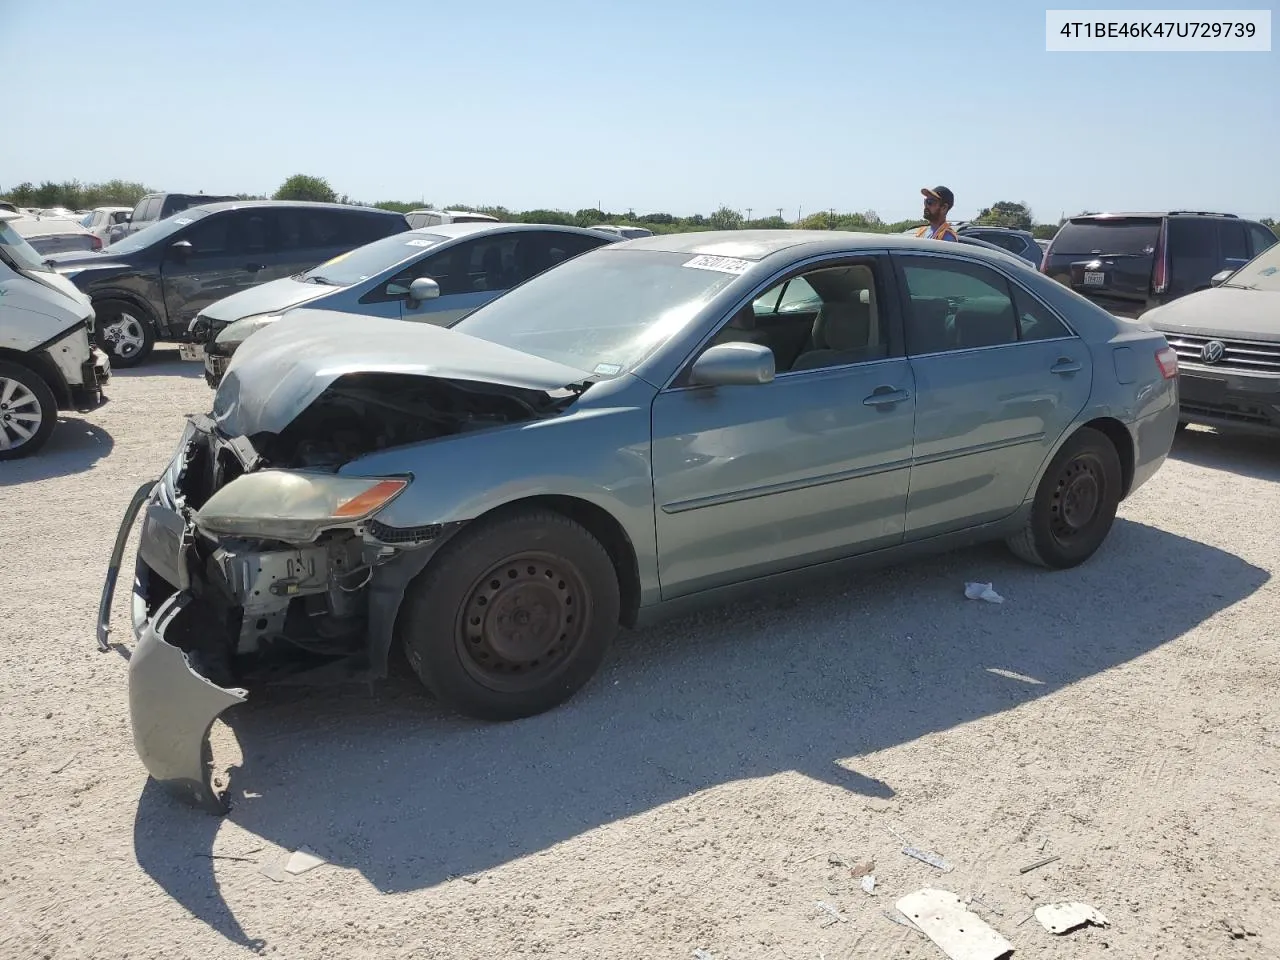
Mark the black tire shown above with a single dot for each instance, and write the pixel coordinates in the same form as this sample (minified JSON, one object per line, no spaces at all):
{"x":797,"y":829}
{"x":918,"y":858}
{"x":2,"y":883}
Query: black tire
{"x":1075,"y":504}
{"x":125,"y":332}
{"x":513,"y":616}
{"x":28,"y":411}
{"x":1182,"y":425}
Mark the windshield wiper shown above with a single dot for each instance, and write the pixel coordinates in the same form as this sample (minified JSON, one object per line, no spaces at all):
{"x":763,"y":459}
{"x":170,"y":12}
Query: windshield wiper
{"x":318,"y":279}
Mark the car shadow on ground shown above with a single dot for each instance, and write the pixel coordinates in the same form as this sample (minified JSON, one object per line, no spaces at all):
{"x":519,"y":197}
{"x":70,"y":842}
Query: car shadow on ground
{"x":1247,"y":455}
{"x":163,"y":362}
{"x":74,"y":446}
{"x":807,"y":680}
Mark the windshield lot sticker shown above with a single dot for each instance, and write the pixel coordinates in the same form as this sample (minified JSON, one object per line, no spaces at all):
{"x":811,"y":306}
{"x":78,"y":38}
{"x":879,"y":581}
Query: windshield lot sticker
{"x":608,"y":369}
{"x":418,"y":243}
{"x":719,"y":264}
{"x":184,"y":221}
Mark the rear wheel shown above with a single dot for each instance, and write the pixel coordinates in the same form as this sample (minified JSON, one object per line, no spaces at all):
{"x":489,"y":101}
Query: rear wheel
{"x":513,"y":617}
{"x":124,"y":332}
{"x":28,"y":411}
{"x":1075,"y":504}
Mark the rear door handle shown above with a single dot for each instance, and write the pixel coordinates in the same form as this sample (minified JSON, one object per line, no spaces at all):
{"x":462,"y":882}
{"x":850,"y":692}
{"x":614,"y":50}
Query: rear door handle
{"x":886,"y":397}
{"x":1065,"y":365}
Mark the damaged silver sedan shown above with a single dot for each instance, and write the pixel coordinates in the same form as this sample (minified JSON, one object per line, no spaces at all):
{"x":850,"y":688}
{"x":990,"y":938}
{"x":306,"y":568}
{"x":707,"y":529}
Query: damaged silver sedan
{"x":650,"y":423}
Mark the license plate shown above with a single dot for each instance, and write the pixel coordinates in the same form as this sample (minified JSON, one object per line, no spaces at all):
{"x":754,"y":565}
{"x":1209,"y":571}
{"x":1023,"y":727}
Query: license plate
{"x":191,"y":351}
{"x":1094,"y":278}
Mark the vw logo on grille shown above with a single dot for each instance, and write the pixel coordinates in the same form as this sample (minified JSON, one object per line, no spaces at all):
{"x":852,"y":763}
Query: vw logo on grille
{"x":1212,"y":351}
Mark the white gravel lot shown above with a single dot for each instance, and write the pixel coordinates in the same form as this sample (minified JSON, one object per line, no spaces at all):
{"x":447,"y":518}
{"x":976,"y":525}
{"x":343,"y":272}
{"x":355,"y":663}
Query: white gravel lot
{"x":697,"y":795}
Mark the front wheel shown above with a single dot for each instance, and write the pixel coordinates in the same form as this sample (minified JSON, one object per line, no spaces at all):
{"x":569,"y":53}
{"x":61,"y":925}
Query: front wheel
{"x":124,"y":332}
{"x":1075,"y":504}
{"x":513,"y":616}
{"x":28,"y":411}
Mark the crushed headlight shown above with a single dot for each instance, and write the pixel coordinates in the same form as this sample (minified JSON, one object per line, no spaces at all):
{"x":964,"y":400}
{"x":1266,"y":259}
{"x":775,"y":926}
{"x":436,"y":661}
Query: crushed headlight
{"x":293,"y":506}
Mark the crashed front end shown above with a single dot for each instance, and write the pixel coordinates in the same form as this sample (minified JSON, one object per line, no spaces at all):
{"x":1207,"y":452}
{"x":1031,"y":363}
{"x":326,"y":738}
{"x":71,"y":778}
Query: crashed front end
{"x":258,"y":560}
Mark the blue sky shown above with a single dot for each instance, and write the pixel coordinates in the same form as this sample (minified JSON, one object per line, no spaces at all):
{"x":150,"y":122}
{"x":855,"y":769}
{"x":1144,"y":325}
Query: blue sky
{"x":655,"y":105}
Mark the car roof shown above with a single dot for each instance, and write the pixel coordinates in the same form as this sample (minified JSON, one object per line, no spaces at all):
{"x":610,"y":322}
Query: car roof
{"x":1152,"y":214}
{"x":452,"y":230}
{"x":218,"y":207}
{"x":756,"y":245}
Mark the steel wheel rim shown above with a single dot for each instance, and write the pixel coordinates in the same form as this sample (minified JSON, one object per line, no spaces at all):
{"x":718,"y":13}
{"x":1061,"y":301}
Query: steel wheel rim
{"x":20,"y":414}
{"x":521,"y":622}
{"x":1077,"y":498}
{"x":125,"y":334}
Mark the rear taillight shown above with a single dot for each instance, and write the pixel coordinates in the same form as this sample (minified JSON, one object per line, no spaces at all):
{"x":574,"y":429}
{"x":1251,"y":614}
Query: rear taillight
{"x":1167,"y":360}
{"x":1160,"y":276}
{"x":96,"y":241}
{"x":1044,"y":261}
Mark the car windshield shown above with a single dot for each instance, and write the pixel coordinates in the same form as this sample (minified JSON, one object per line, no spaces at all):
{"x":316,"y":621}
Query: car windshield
{"x":156,"y":232}
{"x":1119,"y":237}
{"x":18,"y":252}
{"x":371,"y":259}
{"x":1260,"y":273}
{"x":602,"y":312}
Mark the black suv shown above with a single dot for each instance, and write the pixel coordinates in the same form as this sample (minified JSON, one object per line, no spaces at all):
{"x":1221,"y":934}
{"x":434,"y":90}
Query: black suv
{"x":155,"y":207}
{"x":1021,"y":243}
{"x":1128,"y":263}
{"x":150,"y":285}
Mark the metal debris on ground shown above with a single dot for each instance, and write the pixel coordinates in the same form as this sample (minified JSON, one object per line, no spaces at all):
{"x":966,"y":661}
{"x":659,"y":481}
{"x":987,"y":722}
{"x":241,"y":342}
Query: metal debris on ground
{"x":862,"y":869}
{"x":834,"y":861}
{"x":225,"y":856}
{"x":1236,"y":930}
{"x":897,"y":917}
{"x":1038,"y":864}
{"x":66,"y":762}
{"x":958,"y":932}
{"x":703,"y":954}
{"x":869,"y":883}
{"x":1062,"y":918}
{"x":836,"y":915}
{"x":982,"y":591}
{"x":924,"y":856}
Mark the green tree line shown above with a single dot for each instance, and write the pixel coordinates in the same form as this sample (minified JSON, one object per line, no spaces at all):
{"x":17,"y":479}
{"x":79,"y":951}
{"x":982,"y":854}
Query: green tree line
{"x":75,"y":195}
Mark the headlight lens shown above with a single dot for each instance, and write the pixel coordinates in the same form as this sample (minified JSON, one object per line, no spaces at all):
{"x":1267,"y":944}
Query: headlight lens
{"x":236,"y":333}
{"x":294,"y":506}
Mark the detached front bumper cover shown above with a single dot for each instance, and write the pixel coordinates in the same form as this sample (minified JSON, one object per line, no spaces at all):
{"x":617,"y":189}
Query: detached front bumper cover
{"x":172,"y":709}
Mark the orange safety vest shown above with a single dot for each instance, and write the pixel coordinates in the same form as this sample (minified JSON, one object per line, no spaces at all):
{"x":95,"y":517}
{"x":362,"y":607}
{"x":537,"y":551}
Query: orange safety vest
{"x":944,"y":232}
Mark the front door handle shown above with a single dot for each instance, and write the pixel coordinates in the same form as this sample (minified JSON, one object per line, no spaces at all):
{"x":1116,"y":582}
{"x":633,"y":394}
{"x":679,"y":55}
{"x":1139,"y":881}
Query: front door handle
{"x":886,"y":397}
{"x":1065,"y":365}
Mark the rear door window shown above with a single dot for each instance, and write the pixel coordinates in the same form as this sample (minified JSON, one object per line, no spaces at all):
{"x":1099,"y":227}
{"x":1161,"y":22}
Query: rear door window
{"x":1232,"y":240}
{"x":1122,"y":236}
{"x":1261,"y":238}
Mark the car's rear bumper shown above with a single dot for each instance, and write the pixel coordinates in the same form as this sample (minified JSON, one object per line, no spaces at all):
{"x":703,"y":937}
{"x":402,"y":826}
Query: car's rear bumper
{"x":1230,"y":400}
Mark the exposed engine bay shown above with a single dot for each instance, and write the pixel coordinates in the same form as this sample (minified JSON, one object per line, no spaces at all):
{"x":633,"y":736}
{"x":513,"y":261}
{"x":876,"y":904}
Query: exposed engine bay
{"x":267,"y":605}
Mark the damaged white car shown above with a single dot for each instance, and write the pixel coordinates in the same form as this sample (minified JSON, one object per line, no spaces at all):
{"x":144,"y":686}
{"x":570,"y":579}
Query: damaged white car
{"x":652,"y":422}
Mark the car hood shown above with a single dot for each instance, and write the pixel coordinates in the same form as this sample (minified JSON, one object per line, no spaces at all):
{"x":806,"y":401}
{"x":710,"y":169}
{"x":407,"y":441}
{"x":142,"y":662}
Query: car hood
{"x":271,"y":297}
{"x":279,"y":371}
{"x":1221,"y":312}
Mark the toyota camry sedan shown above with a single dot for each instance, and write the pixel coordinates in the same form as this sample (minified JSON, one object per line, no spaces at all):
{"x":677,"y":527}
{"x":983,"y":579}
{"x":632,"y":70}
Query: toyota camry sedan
{"x":653,"y":423}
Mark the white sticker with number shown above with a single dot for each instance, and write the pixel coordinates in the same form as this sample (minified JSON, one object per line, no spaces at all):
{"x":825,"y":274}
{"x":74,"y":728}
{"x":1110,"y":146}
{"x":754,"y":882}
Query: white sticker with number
{"x":184,"y":221}
{"x":719,"y":264}
{"x":419,"y":243}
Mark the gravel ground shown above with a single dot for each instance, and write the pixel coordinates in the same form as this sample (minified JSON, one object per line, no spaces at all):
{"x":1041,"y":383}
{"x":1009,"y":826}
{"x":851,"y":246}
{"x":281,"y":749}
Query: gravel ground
{"x":704,"y":791}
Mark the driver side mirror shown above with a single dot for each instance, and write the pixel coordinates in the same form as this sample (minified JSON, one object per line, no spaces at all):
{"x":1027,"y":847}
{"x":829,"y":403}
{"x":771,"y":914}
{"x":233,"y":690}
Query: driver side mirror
{"x":1220,"y":277}
{"x":733,"y":364}
{"x":181,"y":250}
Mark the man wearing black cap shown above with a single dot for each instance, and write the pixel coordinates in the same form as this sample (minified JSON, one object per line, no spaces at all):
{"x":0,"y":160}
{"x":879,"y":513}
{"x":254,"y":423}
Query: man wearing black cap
{"x":938,"y":202}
